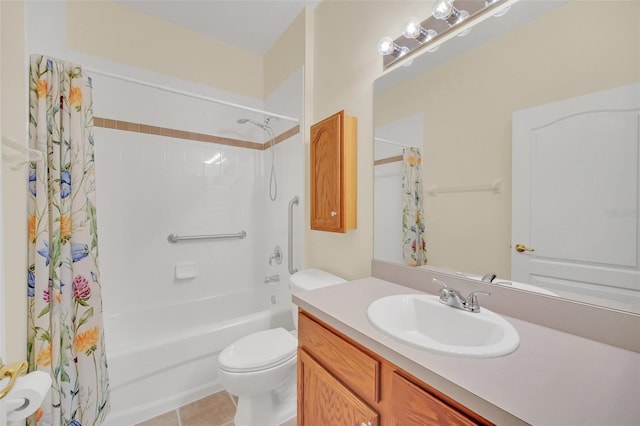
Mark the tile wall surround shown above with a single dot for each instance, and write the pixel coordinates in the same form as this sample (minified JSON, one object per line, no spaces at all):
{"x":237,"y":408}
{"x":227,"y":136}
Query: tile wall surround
{"x":191,"y":169}
{"x":201,"y":137}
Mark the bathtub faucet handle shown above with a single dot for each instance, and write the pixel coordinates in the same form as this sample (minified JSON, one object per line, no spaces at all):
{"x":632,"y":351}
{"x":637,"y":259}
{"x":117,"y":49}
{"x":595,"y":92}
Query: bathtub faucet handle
{"x":272,"y":279}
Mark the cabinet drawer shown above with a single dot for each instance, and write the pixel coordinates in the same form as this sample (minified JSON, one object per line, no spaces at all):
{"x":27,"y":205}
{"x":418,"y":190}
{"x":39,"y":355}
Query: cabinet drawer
{"x":353,"y":367}
{"x":411,"y":405}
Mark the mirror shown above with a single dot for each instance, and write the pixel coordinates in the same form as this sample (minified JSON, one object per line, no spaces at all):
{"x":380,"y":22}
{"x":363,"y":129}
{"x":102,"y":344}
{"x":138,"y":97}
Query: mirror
{"x":464,"y":106}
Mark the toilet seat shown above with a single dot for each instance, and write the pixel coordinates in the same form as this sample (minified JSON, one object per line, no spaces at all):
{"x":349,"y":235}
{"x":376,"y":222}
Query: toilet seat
{"x":258,"y":351}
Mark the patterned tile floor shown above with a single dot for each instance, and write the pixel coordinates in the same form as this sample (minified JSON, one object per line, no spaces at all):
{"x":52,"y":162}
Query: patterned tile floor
{"x":214,"y":410}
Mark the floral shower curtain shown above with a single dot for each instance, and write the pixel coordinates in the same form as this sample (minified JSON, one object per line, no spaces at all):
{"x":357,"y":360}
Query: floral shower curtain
{"x":414,"y":248}
{"x":65,"y":333}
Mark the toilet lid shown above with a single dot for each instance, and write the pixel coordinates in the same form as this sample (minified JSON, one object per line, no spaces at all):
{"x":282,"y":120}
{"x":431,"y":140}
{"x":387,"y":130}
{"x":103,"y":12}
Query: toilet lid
{"x":258,"y":351}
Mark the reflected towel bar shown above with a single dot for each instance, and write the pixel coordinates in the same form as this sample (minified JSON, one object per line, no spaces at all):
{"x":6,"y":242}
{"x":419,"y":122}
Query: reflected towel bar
{"x":495,"y":187}
{"x":173,"y":238}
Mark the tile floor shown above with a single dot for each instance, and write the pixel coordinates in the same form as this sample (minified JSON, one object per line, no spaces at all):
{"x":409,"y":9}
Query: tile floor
{"x":214,"y":410}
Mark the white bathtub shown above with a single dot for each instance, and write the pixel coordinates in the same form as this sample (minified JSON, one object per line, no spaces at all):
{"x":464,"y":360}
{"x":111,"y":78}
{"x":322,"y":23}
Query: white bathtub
{"x":164,"y":358}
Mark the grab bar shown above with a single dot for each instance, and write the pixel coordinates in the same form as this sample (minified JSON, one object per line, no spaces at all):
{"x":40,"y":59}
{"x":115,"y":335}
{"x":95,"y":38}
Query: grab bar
{"x":173,"y":238}
{"x":292,"y":270}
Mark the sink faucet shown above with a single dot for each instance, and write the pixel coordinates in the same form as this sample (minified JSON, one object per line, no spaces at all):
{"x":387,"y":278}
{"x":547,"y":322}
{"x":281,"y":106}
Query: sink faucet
{"x":453,"y":298}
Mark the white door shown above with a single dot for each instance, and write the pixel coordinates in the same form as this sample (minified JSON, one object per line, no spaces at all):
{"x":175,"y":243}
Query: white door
{"x":575,"y":197}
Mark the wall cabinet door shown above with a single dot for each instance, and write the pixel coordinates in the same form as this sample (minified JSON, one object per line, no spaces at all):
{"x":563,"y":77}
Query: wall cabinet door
{"x":323,"y":400}
{"x":333,"y":173}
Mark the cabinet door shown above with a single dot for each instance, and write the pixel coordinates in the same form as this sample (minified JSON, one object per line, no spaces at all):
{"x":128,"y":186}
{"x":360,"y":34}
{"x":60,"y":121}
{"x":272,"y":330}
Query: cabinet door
{"x":323,"y":400}
{"x":326,"y":174}
{"x":413,"y":406}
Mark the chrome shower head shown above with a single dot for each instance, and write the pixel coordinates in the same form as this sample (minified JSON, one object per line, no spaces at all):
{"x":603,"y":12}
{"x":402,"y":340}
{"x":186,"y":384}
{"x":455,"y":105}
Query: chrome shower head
{"x":264,"y":126}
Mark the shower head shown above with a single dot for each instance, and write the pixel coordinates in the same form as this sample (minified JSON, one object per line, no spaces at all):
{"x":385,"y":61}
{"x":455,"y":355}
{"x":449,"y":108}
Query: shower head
{"x":264,"y":126}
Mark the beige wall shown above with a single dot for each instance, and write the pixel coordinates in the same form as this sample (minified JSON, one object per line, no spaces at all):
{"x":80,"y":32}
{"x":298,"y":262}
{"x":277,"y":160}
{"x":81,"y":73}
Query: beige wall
{"x":467,"y":105}
{"x":345,"y":64}
{"x":13,"y":85}
{"x":125,"y":35}
{"x":286,"y":56}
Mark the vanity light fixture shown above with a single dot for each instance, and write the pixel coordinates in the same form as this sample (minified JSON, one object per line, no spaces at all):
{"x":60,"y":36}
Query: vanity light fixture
{"x":448,"y":18}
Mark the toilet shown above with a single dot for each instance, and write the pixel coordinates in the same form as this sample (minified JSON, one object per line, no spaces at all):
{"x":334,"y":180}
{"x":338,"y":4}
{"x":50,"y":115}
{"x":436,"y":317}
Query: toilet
{"x":260,"y":369}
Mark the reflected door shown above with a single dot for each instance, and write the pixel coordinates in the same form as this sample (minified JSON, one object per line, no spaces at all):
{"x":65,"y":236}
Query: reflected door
{"x":3,"y":322}
{"x":575,"y":217}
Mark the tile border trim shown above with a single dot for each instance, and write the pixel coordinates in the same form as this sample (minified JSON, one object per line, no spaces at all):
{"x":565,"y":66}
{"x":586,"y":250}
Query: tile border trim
{"x":387,"y":160}
{"x":128,"y":126}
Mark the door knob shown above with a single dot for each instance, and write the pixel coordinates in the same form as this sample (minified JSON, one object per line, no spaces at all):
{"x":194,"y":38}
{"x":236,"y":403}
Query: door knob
{"x":333,"y":214}
{"x":521,"y":248}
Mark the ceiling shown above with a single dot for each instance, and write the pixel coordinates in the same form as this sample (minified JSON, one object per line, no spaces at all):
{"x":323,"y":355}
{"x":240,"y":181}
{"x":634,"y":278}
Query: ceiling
{"x":253,"y":25}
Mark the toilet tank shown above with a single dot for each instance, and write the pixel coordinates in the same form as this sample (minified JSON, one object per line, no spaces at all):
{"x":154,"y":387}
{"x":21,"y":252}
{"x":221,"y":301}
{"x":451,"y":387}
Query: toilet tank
{"x":310,"y":279}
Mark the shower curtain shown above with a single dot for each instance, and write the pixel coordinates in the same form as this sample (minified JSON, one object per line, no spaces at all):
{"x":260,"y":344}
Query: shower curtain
{"x":414,"y":248}
{"x":65,"y":333}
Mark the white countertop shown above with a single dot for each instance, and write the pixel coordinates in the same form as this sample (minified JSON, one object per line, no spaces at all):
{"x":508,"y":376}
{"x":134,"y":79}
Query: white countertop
{"x":553,"y":378}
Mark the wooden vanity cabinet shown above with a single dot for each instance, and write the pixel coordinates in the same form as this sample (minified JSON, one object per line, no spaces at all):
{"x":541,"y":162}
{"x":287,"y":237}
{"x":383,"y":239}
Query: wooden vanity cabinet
{"x":342,"y":383}
{"x":333,"y":173}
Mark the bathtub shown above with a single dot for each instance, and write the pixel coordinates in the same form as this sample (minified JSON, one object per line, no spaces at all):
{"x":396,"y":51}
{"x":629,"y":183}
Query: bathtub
{"x":163,"y":358}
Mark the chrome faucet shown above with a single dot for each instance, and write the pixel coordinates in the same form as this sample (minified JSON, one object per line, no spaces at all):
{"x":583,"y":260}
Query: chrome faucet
{"x":272,"y":279}
{"x":453,"y":298}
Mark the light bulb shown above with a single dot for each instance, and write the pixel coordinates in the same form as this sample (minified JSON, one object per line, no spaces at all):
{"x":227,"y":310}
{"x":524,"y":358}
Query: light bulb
{"x":386,"y":46}
{"x":442,"y":9}
{"x":412,"y":28}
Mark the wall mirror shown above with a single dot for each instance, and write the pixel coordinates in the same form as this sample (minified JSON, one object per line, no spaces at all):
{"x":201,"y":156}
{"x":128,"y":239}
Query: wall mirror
{"x":528,"y":128}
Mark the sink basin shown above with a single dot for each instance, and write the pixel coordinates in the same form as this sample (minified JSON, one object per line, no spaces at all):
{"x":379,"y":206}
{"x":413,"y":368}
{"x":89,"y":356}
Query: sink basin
{"x":421,"y":321}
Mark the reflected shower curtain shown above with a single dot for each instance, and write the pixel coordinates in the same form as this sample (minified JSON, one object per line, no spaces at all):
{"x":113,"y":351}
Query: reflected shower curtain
{"x":65,"y":332}
{"x":414,"y":248}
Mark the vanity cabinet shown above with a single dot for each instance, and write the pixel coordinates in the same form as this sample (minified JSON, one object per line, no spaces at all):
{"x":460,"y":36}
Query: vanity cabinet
{"x":333,"y":173}
{"x":342,"y":383}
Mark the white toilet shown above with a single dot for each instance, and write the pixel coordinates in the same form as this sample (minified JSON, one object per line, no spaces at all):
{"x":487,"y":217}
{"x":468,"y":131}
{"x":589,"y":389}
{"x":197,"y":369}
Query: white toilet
{"x":260,"y":369}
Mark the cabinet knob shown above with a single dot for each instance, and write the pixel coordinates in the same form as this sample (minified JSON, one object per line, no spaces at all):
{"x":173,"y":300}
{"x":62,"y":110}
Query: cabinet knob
{"x":333,"y":214}
{"x":366,"y":424}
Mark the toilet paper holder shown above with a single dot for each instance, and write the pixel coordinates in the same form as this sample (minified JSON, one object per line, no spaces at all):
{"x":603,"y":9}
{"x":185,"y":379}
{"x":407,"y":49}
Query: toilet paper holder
{"x":12,"y":371}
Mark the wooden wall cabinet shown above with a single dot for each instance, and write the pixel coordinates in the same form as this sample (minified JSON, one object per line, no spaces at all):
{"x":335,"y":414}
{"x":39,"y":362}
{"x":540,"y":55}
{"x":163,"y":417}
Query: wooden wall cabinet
{"x":333,"y":173}
{"x":342,"y":383}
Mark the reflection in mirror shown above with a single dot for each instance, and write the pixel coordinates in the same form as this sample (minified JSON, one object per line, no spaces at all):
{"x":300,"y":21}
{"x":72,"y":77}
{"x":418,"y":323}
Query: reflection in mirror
{"x":391,"y":142}
{"x":528,"y":128}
